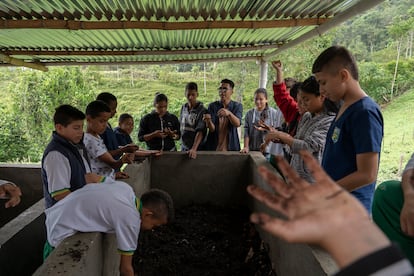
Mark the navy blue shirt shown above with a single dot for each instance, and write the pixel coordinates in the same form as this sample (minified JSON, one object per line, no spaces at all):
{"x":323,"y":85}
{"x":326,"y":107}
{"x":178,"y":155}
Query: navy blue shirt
{"x":358,"y":130}
{"x":212,"y":138}
{"x":122,"y":137}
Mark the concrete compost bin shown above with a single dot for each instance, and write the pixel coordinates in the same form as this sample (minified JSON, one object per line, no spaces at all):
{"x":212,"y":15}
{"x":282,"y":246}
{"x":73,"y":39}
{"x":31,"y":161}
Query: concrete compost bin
{"x":217,"y":178}
{"x":22,"y":228}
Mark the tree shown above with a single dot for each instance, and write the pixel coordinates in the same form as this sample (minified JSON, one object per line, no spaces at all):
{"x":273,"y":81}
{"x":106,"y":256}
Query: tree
{"x":37,"y":94}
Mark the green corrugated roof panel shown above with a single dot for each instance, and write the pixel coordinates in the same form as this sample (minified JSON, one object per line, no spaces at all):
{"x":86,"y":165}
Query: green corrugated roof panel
{"x":40,"y":43}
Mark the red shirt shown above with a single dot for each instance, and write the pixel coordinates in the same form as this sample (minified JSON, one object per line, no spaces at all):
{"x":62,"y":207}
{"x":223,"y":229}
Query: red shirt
{"x":286,"y":104}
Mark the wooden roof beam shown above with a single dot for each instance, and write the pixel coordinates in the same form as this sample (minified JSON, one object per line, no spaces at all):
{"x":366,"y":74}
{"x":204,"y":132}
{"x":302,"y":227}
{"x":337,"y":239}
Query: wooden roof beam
{"x":138,"y":52}
{"x":152,"y":25}
{"x":19,"y":62}
{"x":162,"y":62}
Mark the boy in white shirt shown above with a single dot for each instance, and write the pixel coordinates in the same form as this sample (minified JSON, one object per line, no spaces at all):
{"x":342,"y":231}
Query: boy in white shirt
{"x":65,"y":166}
{"x":117,"y":211}
{"x":97,"y":115}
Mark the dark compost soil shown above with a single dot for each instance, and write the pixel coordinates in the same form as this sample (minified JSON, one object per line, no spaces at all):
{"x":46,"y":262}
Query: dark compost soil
{"x":203,"y":240}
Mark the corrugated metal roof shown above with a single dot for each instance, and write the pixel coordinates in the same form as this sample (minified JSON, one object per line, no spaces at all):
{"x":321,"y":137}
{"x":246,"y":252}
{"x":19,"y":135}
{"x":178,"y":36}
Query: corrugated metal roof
{"x":109,"y":31}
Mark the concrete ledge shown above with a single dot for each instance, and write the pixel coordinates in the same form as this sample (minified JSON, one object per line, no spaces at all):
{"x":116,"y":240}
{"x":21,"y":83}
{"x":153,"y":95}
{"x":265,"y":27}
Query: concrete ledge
{"x":288,"y":259}
{"x":80,"y":254}
{"x":20,"y":222}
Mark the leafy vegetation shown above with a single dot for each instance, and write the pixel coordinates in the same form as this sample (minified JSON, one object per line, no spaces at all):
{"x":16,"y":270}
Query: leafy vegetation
{"x":381,"y":39}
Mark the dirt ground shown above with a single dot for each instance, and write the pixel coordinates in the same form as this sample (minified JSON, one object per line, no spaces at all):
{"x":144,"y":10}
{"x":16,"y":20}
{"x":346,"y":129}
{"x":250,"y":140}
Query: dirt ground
{"x":203,"y":240}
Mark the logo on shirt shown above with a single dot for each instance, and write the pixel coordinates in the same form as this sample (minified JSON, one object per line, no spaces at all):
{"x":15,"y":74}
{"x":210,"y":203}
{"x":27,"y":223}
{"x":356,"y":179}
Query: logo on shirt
{"x":335,"y":134}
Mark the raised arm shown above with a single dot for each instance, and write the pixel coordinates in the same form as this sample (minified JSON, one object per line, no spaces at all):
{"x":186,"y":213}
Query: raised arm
{"x":284,"y":101}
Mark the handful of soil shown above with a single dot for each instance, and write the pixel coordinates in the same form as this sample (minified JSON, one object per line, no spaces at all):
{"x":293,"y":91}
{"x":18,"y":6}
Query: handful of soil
{"x":203,"y":240}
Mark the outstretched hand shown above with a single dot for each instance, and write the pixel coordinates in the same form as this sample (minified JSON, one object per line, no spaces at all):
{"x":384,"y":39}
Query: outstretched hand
{"x":322,"y":213}
{"x":10,"y":192}
{"x":262,"y":126}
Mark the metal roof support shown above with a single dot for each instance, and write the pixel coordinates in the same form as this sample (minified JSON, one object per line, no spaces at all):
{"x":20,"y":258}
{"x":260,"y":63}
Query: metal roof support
{"x":19,"y":62}
{"x":263,"y":73}
{"x":358,"y":8}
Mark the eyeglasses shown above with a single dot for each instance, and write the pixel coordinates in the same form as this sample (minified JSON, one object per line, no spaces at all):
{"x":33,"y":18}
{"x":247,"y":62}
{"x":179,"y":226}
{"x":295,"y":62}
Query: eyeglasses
{"x":224,"y":89}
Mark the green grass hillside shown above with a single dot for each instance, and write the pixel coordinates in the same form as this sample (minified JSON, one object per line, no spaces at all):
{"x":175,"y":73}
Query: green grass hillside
{"x":398,"y":143}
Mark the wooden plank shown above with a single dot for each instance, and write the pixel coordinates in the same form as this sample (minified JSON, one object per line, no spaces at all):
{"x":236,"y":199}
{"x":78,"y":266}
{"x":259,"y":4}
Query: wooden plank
{"x":152,"y":25}
{"x":19,"y":62}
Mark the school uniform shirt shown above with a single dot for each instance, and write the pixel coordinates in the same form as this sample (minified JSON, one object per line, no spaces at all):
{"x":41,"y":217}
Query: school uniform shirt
{"x":96,"y":147}
{"x":191,"y":123}
{"x":122,"y":137}
{"x":358,"y":130}
{"x":101,"y":207}
{"x":271,"y":117}
{"x":64,"y":166}
{"x":109,"y":138}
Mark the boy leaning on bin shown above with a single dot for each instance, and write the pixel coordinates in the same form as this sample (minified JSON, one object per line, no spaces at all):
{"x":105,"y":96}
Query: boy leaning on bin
{"x":117,"y":211}
{"x":65,"y":167}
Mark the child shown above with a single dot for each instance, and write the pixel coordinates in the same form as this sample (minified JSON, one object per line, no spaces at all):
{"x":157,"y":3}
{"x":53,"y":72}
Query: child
{"x":108,"y":135}
{"x":313,"y":126}
{"x":262,"y":114}
{"x":193,"y":128}
{"x":124,"y":129}
{"x":116,"y":210}
{"x":65,"y":166}
{"x":102,"y":162}
{"x":353,"y":143}
{"x":159,"y":129}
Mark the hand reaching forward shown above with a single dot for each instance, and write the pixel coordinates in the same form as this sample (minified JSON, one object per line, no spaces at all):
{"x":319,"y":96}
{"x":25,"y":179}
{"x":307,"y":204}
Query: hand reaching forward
{"x":322,"y":213}
{"x":12,"y":193}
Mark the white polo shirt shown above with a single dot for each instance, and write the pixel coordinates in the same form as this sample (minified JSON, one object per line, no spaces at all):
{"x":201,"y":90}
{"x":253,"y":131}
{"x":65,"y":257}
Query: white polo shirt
{"x":108,"y":207}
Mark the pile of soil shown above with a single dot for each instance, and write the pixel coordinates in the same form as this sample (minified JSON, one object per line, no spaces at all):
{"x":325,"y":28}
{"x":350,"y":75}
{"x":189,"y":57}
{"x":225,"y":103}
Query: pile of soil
{"x":203,"y":240}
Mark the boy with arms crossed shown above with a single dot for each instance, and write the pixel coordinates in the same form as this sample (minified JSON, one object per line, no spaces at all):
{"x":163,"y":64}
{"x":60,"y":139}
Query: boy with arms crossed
{"x":353,"y":143}
{"x":65,"y":167}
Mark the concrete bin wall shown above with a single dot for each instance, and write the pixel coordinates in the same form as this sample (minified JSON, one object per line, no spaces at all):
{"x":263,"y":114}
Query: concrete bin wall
{"x":22,"y":229}
{"x":28,"y":178}
{"x":218,"y":178}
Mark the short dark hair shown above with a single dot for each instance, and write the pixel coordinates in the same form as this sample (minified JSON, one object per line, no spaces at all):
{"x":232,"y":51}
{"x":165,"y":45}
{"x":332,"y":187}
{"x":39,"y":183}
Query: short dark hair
{"x":294,"y":90}
{"x":159,"y":202}
{"x":191,"y":86}
{"x":160,"y":97}
{"x":123,"y":117}
{"x":95,"y":108}
{"x":289,"y":82}
{"x":333,"y":59}
{"x":106,"y":97}
{"x":66,"y":114}
{"x":311,"y":86}
{"x":230,"y":82}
